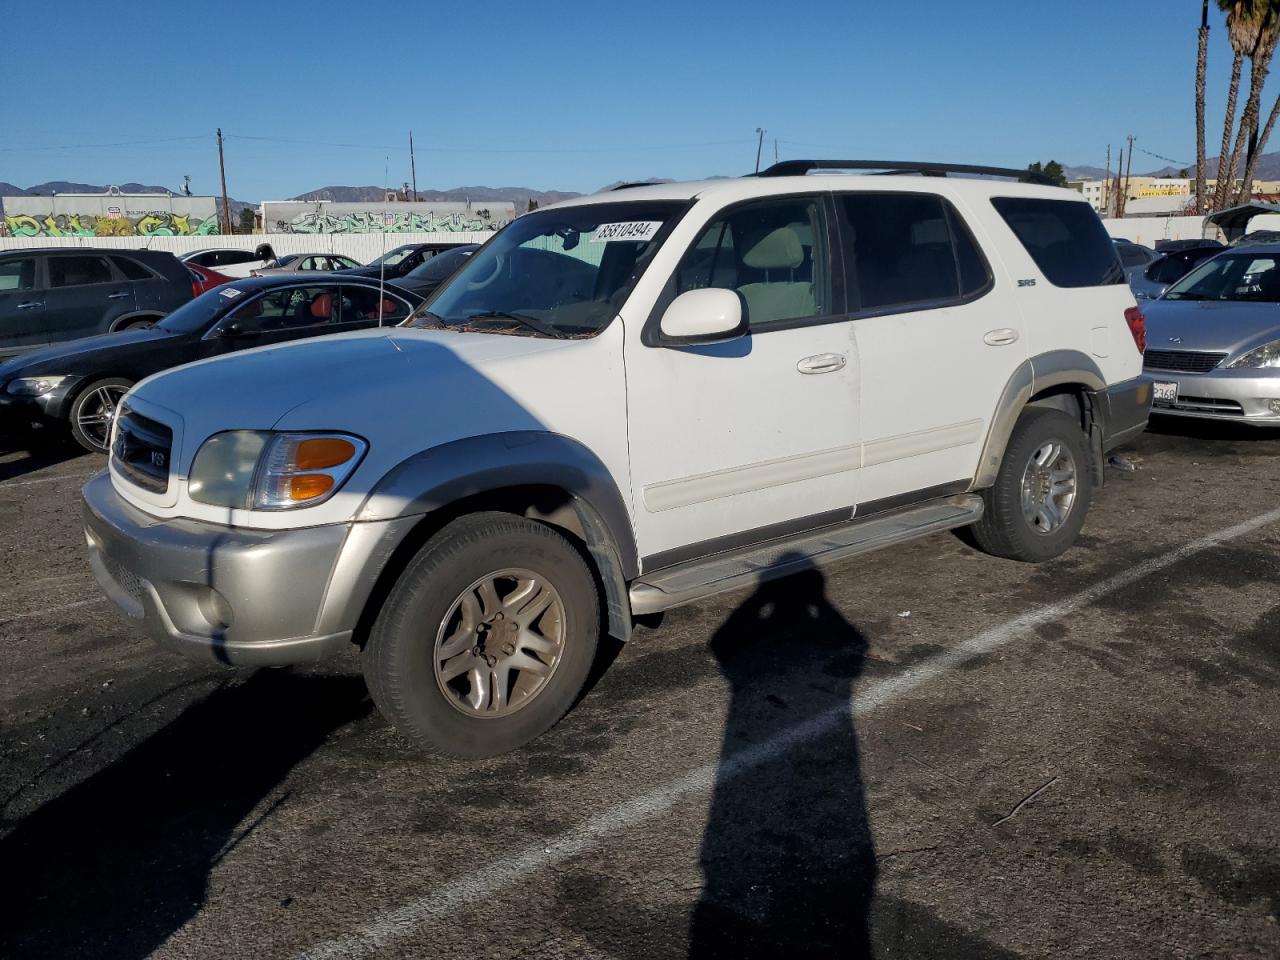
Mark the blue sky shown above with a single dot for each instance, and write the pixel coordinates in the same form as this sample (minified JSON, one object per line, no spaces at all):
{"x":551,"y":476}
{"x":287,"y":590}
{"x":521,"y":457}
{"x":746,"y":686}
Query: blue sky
{"x":561,"y":94}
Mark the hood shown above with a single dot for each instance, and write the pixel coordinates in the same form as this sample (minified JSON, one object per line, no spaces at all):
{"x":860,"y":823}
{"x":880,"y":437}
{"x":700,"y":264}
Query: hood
{"x":356,"y":381}
{"x":61,"y":358}
{"x":1232,"y":326}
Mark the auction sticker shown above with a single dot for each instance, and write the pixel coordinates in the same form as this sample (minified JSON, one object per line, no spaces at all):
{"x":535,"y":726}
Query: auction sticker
{"x":230,"y":292}
{"x":631,"y":230}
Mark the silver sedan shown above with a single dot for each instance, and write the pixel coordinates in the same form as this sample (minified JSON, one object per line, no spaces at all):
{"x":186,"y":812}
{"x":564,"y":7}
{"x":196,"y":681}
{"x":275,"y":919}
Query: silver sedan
{"x":306,"y":263}
{"x":1213,"y":340}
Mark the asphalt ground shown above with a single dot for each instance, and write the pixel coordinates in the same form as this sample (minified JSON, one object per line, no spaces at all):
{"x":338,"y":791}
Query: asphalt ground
{"x":924,"y":753}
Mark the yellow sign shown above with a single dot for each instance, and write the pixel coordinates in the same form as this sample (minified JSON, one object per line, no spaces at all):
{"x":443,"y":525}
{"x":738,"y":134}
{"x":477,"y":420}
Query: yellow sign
{"x":1174,"y":190}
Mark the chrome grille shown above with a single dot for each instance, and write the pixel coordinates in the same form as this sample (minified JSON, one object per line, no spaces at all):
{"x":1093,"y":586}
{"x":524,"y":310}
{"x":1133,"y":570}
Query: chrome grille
{"x":1202,"y":405}
{"x":141,"y":450}
{"x":1182,"y":361}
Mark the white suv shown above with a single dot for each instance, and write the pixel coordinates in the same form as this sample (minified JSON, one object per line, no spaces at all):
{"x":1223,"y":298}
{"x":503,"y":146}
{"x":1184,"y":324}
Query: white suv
{"x":623,"y":403}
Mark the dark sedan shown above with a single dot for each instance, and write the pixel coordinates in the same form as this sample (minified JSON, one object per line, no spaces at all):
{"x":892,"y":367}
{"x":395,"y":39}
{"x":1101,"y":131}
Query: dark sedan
{"x":79,"y":385}
{"x":400,"y":261}
{"x":424,"y":280}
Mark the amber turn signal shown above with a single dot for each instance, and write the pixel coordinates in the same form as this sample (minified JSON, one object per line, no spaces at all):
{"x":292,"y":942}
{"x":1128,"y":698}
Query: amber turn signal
{"x":321,"y":453}
{"x":308,"y":486}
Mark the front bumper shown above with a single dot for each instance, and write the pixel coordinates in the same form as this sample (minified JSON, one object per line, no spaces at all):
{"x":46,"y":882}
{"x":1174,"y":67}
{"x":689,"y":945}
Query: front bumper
{"x":233,"y":595}
{"x":48,"y":408}
{"x":1243,"y":395}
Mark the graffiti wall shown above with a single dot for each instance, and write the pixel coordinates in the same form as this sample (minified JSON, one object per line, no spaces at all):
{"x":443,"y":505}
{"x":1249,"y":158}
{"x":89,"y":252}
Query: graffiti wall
{"x":109,"y":215}
{"x":322,"y":216}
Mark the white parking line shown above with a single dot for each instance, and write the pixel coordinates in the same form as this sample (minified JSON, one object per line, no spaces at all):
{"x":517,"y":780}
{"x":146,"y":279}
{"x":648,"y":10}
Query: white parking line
{"x":5,"y":485}
{"x":372,"y":938}
{"x":45,"y":611}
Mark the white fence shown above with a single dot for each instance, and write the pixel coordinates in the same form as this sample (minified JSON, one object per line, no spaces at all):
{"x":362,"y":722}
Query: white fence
{"x":359,"y":246}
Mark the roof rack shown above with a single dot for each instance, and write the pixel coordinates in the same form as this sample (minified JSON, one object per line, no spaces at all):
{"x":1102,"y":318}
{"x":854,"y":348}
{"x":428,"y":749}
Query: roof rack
{"x":795,"y":168}
{"x":632,"y":183}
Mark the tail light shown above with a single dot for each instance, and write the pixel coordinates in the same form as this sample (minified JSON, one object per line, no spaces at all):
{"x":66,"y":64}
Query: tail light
{"x":1137,"y":327}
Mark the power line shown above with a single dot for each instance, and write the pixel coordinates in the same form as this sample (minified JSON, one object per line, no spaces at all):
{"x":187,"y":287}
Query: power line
{"x":99,"y":146}
{"x":489,"y":150}
{"x":1176,"y":163}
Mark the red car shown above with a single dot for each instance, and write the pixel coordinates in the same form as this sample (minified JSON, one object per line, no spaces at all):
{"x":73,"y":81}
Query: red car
{"x":203,"y":279}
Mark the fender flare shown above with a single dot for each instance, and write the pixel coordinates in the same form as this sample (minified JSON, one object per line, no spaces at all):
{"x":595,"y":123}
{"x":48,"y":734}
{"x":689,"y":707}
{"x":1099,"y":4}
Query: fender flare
{"x":1045,"y":370}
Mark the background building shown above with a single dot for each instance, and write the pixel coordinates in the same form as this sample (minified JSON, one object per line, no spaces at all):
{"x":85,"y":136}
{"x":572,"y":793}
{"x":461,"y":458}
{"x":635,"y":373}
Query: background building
{"x":110,"y":214}
{"x":426,"y":216}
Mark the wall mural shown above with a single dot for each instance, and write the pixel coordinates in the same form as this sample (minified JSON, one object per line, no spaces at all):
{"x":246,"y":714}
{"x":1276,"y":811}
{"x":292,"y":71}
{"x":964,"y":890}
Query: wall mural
{"x":326,"y":216}
{"x":159,"y":223}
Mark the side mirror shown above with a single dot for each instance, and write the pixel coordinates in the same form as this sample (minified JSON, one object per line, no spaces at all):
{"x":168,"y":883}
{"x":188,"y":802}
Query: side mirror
{"x":233,"y":329}
{"x":710,"y":315}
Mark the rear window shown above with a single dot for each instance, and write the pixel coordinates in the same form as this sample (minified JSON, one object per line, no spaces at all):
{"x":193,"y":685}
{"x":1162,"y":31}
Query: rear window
{"x":132,"y":269}
{"x":1065,"y":238}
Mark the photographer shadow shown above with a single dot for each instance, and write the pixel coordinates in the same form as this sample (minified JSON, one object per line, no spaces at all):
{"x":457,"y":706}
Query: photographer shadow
{"x":788,"y":858}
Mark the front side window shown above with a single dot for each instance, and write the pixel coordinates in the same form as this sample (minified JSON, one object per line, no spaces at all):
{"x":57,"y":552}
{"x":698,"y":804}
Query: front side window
{"x":773,"y":253}
{"x":1065,"y":238}
{"x":365,"y":304}
{"x":908,"y":248}
{"x":78,"y":271}
{"x":554,"y":273}
{"x":286,"y":309}
{"x":1240,"y":276}
{"x":18,"y":274}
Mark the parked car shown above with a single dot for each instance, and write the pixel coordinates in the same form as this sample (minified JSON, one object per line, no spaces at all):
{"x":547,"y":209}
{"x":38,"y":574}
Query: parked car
{"x":398,"y":262}
{"x":1214,"y":340}
{"x":1150,"y":283}
{"x":231,"y":261}
{"x":78,"y":386}
{"x":1175,"y":246}
{"x":426,"y":279}
{"x":306,"y":263}
{"x":203,"y":279}
{"x":1134,"y":257}
{"x":623,"y":403}
{"x":51,"y":294}
{"x":1258,"y":236}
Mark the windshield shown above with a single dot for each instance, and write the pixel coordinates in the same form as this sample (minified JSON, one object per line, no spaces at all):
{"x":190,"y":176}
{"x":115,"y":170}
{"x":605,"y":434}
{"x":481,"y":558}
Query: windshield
{"x":441,"y":265}
{"x":561,"y":273}
{"x":203,"y":310}
{"x":392,"y":257}
{"x":1239,"y":276}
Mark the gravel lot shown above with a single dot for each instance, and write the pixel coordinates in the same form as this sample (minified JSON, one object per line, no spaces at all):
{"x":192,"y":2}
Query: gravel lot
{"x":926,"y":753}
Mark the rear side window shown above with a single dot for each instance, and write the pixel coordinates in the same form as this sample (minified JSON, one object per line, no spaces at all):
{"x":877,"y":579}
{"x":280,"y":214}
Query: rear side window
{"x":905,"y":248}
{"x":225,"y":258}
{"x":78,"y":271}
{"x":1065,"y":238}
{"x":132,"y":269}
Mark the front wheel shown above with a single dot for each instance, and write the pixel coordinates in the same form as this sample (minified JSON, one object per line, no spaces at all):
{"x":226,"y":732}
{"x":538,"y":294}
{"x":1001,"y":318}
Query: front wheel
{"x":93,"y":412}
{"x":487,"y":638}
{"x":1036,"y":507}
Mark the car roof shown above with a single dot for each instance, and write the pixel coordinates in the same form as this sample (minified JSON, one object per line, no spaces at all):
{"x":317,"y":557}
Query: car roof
{"x":1271,"y":247}
{"x":730,"y":189}
{"x":320,"y":278}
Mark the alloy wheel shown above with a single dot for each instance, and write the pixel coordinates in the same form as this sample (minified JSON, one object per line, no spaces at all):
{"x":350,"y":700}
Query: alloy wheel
{"x":97,"y":413}
{"x":1048,"y":487}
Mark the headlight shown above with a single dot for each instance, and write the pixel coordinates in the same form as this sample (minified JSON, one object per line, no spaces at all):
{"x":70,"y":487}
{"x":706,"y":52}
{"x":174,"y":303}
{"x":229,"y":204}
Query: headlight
{"x":1268,"y":355}
{"x":257,"y":470}
{"x":34,"y":386}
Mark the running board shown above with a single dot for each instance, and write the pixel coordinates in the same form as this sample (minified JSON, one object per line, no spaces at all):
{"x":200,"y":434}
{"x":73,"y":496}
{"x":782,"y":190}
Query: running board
{"x":748,"y":566}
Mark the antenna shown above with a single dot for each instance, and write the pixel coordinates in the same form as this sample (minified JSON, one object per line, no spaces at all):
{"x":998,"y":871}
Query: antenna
{"x":382,"y":261}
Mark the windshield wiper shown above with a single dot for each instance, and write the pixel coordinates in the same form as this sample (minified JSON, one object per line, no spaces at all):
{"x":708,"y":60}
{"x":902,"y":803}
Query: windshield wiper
{"x":533,"y":323}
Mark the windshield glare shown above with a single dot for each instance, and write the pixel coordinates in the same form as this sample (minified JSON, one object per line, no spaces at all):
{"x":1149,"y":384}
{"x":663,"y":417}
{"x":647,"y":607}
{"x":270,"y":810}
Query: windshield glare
{"x":201,"y":311}
{"x":566,"y":272}
{"x":1242,"y":276}
{"x":392,"y":257}
{"x":440,"y":266}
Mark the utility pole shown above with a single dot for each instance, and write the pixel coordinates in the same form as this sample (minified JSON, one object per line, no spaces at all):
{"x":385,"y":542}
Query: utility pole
{"x":222,"y":170}
{"x":1128,"y":169}
{"x":1115,"y":191}
{"x":759,"y":146}
{"x":413,"y":171}
{"x":1107,"y":184}
{"x":775,"y":149}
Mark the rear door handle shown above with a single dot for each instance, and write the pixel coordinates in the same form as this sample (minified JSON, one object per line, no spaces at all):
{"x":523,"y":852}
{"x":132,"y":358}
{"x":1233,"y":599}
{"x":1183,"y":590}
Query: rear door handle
{"x":1000,"y":338}
{"x":821,"y":363}
{"x":31,"y":305}
{"x":118,"y":295}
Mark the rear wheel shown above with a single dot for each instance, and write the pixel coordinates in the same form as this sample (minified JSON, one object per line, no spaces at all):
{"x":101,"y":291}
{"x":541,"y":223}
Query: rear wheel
{"x":1036,"y":507}
{"x":487,"y":638}
{"x":93,"y":412}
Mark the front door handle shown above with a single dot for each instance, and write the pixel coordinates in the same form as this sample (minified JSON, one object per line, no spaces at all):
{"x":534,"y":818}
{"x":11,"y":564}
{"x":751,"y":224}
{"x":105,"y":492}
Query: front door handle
{"x":31,"y":305}
{"x":118,"y":295}
{"x":822,"y":363}
{"x":1000,"y":338}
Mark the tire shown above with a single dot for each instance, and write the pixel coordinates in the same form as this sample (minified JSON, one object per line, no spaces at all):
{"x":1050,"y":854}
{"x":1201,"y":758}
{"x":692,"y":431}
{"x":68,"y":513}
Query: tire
{"x":422,"y":637}
{"x":1041,"y":525}
{"x":141,"y":323}
{"x":93,"y":412}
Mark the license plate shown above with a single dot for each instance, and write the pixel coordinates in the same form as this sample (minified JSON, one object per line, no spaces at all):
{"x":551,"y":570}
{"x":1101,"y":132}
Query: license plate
{"x":1167,"y":392}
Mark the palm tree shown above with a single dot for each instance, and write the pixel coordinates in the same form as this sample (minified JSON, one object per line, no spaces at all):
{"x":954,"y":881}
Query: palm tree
{"x":1260,"y":63}
{"x":1202,"y":60}
{"x":1242,"y":32}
